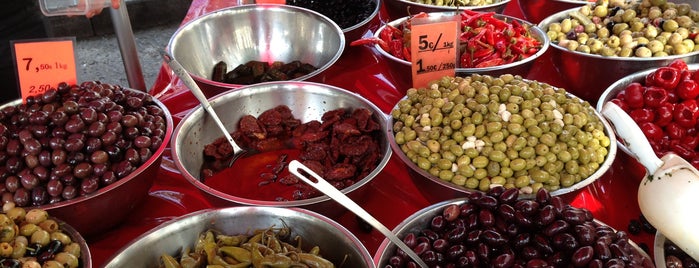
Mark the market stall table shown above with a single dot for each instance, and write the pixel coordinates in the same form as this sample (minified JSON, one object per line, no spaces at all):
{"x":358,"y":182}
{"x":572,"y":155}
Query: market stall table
{"x":612,"y":199}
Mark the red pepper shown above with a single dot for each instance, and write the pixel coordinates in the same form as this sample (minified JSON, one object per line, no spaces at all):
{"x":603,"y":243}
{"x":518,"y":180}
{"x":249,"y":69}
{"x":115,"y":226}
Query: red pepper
{"x":678,"y":64}
{"x":490,"y":63}
{"x":663,"y":114}
{"x":682,"y":151}
{"x":665,"y":77}
{"x":371,"y":41}
{"x":624,"y":106}
{"x":642,"y":115}
{"x":654,"y":96}
{"x":396,"y":48}
{"x":687,"y":89}
{"x":686,"y":113}
{"x":651,"y":130}
{"x":634,"y":95}
{"x":674,"y":131}
{"x":690,"y":141}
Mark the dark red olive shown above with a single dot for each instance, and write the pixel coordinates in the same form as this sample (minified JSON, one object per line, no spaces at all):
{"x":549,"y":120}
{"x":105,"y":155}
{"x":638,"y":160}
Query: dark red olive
{"x":509,"y":196}
{"x":555,"y":228}
{"x":504,"y":261}
{"x":582,"y":256}
{"x":506,"y":211}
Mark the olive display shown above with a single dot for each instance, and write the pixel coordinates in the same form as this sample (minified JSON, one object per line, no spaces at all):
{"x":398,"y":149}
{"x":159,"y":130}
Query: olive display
{"x":75,"y":139}
{"x":482,"y":131}
{"x":647,"y":28}
{"x":498,"y":229}
{"x":30,"y":238}
{"x":271,"y":247}
{"x":346,"y":13}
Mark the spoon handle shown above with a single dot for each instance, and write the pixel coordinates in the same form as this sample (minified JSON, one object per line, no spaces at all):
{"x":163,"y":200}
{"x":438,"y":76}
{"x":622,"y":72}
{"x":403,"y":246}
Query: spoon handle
{"x":323,"y":186}
{"x":194,"y":88}
{"x":633,"y":137}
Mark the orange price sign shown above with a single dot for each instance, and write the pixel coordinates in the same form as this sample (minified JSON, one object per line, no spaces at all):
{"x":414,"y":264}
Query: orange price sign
{"x":43,"y":64}
{"x":434,"y":48}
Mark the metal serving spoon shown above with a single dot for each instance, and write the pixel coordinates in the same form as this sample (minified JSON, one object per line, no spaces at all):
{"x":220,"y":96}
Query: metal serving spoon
{"x":323,"y":186}
{"x":669,"y":192}
{"x":194,"y":88}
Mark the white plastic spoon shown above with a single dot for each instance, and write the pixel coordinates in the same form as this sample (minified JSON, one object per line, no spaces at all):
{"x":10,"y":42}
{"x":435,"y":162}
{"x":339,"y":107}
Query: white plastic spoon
{"x":669,"y":193}
{"x":324,"y":187}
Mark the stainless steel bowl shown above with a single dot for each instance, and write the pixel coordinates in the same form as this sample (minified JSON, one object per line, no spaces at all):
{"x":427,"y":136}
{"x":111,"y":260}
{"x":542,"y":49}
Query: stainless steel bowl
{"x":402,"y":8}
{"x":358,"y":30}
{"x":421,"y":219}
{"x":536,"y":10}
{"x":436,"y":189}
{"x":108,"y":206}
{"x":588,"y":75}
{"x":261,"y":32}
{"x":402,"y":68}
{"x":614,"y":89}
{"x":336,"y":243}
{"x":307,"y":101}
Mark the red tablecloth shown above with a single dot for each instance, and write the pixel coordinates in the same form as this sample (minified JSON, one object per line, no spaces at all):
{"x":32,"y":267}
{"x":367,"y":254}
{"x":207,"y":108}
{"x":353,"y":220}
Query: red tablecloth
{"x":393,"y":196}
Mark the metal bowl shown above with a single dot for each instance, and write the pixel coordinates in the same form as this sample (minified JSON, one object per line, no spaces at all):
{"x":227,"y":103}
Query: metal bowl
{"x":620,"y":84}
{"x":537,"y":10}
{"x":587,"y":75}
{"x":85,"y":255}
{"x":108,"y":206}
{"x":421,"y":219}
{"x":261,"y":32}
{"x":358,"y":30}
{"x":402,"y":8}
{"x":402,"y":68}
{"x":307,"y":101}
{"x":436,"y":189}
{"x":336,"y":243}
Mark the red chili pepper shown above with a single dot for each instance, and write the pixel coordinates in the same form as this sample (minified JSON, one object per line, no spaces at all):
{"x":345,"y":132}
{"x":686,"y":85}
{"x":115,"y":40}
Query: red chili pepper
{"x":634,"y":95}
{"x":396,"y":48}
{"x":686,"y":113}
{"x":665,"y":77}
{"x":654,"y":96}
{"x":663,"y":114}
{"x":642,"y":115}
{"x":687,"y":89}
{"x":490,"y":63}
{"x":651,"y":130}
{"x":371,"y":41}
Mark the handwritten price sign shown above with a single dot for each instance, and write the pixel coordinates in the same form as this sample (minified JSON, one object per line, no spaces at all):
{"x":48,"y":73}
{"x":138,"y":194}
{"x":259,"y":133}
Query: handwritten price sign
{"x":42,"y":64}
{"x":437,"y":48}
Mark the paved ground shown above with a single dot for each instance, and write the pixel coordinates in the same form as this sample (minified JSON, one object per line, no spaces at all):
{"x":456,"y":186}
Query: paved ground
{"x":99,"y":57}
{"x":97,"y":49}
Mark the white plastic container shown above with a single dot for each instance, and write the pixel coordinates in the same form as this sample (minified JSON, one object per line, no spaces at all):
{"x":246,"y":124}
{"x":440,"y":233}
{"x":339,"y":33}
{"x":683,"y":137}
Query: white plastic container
{"x":72,"y":7}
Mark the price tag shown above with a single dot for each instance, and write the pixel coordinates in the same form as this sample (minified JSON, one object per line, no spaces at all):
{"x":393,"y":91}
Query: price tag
{"x":43,"y":64}
{"x":434,"y":48}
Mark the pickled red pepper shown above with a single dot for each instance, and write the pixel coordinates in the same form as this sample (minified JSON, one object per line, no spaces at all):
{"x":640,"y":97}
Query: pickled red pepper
{"x":485,"y":40}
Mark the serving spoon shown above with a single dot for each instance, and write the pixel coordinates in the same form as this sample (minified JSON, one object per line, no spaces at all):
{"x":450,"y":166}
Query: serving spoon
{"x":181,"y":73}
{"x":669,"y":192}
{"x":324,"y":187}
